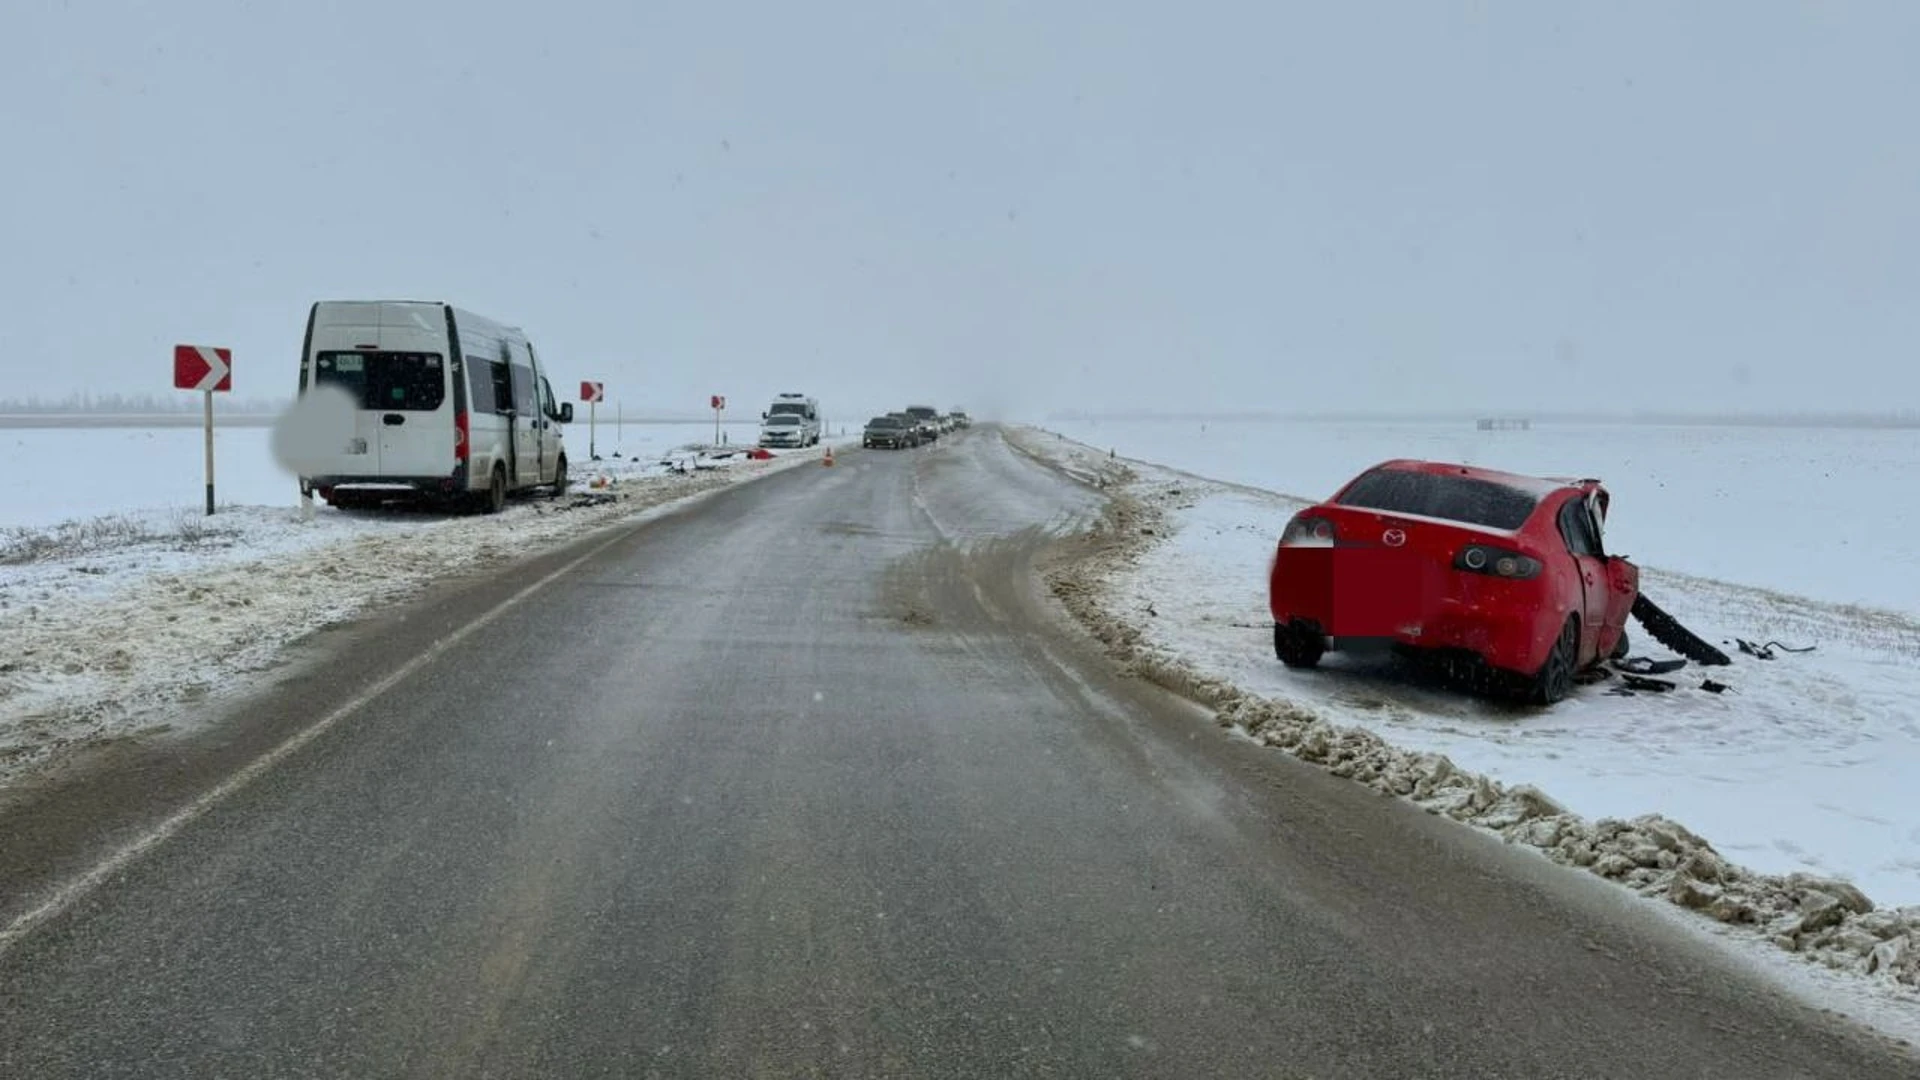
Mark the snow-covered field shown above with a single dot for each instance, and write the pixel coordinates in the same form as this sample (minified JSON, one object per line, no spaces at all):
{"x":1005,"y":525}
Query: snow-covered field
{"x":132,"y":619}
{"x":1805,"y":766}
{"x":77,"y":473}
{"x":1816,"y":512}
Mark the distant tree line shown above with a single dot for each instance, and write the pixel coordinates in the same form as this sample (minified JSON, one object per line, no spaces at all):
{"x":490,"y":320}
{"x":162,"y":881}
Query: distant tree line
{"x":87,"y":403}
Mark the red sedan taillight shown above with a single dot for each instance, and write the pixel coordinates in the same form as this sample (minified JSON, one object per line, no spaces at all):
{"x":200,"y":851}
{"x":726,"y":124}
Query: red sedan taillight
{"x":1306,"y":530}
{"x":1496,"y":562}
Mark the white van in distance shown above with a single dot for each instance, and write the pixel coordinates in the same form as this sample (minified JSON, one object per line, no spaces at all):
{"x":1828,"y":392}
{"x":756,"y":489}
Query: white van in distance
{"x":424,"y":399}
{"x":792,"y":420}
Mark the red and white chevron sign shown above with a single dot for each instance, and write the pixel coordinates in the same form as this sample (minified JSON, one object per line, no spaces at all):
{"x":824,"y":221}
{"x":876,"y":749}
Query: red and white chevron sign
{"x":202,"y":367}
{"x":593,"y":391}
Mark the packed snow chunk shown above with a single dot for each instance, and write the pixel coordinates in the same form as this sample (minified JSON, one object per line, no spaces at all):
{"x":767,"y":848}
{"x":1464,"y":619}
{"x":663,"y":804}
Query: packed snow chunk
{"x":1848,"y":897}
{"x":1885,"y":924}
{"x":1701,"y":864}
{"x":1729,"y":909}
{"x":1646,"y":853}
{"x":1667,"y":835}
{"x":1612,"y":865}
{"x":1430,"y":772}
{"x":1523,"y":803}
{"x":1818,"y":911}
{"x":1316,"y":743}
{"x":1544,"y":832}
{"x":1576,"y":850}
{"x":1853,"y":940}
{"x":1690,"y":893}
{"x":1896,"y":958}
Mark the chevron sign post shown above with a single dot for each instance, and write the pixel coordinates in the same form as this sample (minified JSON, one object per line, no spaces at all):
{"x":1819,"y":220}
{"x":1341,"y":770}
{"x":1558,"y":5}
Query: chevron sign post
{"x":210,"y":371}
{"x":593,"y":393}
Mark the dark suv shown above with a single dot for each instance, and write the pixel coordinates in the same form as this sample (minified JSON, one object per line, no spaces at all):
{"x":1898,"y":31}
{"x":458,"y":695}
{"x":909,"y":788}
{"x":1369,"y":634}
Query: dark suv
{"x":928,"y":418}
{"x":891,"y":432}
{"x":918,"y":426}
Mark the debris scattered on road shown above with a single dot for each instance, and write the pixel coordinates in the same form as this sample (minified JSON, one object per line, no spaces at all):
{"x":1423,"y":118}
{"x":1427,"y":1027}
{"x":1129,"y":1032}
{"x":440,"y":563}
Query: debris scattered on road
{"x":1712,"y":687}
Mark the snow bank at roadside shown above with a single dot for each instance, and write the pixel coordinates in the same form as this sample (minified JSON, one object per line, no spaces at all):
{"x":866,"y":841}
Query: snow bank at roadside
{"x":126,"y":632}
{"x":1823,"y":918}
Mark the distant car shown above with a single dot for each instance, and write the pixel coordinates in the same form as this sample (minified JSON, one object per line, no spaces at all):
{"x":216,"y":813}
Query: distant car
{"x":890,"y":432}
{"x":788,"y":430}
{"x":795,"y":405}
{"x":1504,"y":572}
{"x":928,"y":417}
{"x":929,"y":432}
{"x":961,"y":419}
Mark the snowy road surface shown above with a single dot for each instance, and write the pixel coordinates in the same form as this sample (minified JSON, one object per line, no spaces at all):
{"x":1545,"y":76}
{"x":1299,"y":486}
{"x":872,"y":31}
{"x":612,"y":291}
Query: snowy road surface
{"x":804,"y":781}
{"x":125,"y":625}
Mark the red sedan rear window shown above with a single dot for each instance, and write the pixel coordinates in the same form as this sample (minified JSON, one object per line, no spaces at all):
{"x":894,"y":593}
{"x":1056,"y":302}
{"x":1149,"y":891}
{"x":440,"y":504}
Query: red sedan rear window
{"x":1450,"y":498}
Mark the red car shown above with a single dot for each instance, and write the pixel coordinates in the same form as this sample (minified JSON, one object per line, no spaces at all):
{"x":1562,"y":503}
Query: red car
{"x":1506,"y":572}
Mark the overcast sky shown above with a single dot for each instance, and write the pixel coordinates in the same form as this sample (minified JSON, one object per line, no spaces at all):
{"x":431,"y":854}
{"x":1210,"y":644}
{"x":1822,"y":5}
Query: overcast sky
{"x":1018,"y":206}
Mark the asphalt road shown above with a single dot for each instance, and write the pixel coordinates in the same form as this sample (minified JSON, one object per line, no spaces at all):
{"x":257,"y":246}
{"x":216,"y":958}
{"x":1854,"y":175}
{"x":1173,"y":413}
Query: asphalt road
{"x":805,"y":782}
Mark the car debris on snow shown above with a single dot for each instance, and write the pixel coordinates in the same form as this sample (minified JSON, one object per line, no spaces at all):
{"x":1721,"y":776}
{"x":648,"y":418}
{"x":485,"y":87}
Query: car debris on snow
{"x":584,"y":500}
{"x":1629,"y":683}
{"x":1667,"y":631}
{"x":1643,"y":665}
{"x":1766,"y":651}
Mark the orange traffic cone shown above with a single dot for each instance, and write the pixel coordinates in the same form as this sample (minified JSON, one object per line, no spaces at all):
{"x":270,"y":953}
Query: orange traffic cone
{"x":828,"y":460}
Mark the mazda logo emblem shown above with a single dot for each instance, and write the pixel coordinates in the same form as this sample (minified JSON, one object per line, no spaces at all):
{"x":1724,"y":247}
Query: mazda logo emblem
{"x":1393,"y":537}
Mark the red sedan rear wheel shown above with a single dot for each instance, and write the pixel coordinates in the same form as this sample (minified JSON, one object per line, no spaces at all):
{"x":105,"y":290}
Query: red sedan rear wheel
{"x":1297,"y":646}
{"x":1554,"y":681}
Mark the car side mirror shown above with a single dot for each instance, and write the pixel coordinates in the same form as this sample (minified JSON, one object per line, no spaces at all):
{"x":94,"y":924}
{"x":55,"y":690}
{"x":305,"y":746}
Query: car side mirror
{"x":566,"y":412}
